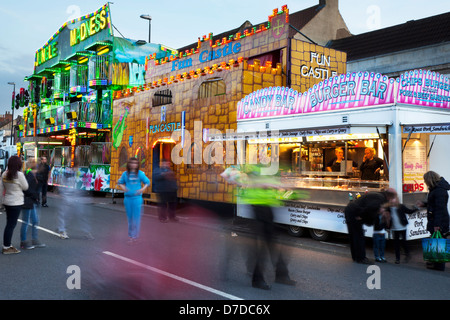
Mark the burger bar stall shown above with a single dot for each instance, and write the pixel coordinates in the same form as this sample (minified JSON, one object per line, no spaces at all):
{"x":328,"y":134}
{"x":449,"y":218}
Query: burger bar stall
{"x":348,"y":135}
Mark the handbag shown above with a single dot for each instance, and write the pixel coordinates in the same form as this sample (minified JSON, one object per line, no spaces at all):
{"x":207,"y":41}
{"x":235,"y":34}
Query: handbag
{"x":436,"y":248}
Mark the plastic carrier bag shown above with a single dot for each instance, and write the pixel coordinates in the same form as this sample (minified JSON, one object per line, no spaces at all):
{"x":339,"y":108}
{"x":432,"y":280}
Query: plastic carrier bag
{"x":436,"y":248}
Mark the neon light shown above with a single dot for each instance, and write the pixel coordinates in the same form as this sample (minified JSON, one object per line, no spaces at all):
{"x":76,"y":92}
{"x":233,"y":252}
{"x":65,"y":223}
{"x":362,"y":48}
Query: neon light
{"x":162,"y":140}
{"x":98,"y":82}
{"x":424,"y":88}
{"x":346,"y":91}
{"x":137,"y":151}
{"x":88,"y":28}
{"x":204,"y":55}
{"x":47,"y":53}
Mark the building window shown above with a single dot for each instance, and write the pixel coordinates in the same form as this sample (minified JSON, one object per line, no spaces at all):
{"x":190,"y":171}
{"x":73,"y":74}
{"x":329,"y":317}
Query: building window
{"x":274,"y":57}
{"x":212,"y":88}
{"x":162,"y":97}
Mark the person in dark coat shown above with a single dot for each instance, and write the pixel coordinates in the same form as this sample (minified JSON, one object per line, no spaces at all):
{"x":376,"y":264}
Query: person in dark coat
{"x":335,"y":164}
{"x":29,"y":213}
{"x":371,"y":166}
{"x":165,"y":185}
{"x":359,"y":212}
{"x":397,"y":224}
{"x":437,"y":208}
{"x":42,"y":175}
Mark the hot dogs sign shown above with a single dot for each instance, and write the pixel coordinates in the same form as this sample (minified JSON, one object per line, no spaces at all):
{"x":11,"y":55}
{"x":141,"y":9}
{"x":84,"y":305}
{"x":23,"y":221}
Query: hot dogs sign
{"x":346,"y":91}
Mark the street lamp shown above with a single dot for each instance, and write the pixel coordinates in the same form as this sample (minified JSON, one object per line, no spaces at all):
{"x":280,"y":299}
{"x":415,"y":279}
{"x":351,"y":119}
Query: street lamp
{"x":147,"y":17}
{"x":12,"y":107}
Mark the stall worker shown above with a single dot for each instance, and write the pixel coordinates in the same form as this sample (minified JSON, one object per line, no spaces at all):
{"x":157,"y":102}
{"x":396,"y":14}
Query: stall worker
{"x":335,"y":164}
{"x":371,"y":166}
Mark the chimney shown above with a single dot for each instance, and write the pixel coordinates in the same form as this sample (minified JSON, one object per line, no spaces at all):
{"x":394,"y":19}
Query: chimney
{"x":330,"y":3}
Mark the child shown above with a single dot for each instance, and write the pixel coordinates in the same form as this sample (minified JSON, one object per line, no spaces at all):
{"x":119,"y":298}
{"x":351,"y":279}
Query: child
{"x":379,"y":235}
{"x":131,"y":182}
{"x":397,"y":224}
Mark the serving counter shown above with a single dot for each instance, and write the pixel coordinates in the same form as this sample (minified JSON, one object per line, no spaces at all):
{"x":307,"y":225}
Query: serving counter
{"x":331,"y":190}
{"x":320,"y":207}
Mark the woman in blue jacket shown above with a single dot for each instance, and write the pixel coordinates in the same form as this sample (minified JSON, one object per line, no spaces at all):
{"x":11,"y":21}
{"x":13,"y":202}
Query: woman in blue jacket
{"x":131,"y":183}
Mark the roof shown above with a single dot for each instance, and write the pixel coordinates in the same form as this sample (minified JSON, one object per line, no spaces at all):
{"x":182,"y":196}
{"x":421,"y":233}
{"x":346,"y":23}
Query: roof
{"x":409,"y":35}
{"x":297,"y":19}
{"x":226,"y":34}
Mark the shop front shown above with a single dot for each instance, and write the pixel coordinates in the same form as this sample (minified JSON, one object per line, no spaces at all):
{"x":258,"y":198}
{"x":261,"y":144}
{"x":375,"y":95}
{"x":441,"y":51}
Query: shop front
{"x":346,"y":136}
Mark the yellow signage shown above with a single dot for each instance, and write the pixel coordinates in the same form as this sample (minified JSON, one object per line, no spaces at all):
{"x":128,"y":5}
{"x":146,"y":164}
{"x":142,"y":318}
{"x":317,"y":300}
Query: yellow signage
{"x":312,"y":64}
{"x":89,"y":27}
{"x":48,"y":52}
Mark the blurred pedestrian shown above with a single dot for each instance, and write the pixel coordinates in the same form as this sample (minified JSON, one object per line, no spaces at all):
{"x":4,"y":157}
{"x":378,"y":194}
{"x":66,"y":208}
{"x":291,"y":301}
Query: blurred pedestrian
{"x":131,"y":183}
{"x":363,"y":211}
{"x":29,"y":213}
{"x":379,"y":235}
{"x":397,"y":224}
{"x":43,"y":172}
{"x":70,"y":209}
{"x":165,"y":185}
{"x":437,"y":210}
{"x":261,"y":193}
{"x":12,"y":187}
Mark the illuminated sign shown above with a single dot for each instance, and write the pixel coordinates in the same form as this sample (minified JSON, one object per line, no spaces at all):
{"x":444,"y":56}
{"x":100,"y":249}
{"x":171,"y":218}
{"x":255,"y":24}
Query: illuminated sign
{"x":221,"y":52}
{"x":47,"y":53}
{"x":273,"y":101}
{"x":351,"y":90}
{"x":318,"y":67}
{"x":165,"y":127}
{"x":75,"y":36}
{"x":88,"y":28}
{"x":311,"y":64}
{"x":177,"y":64}
{"x":206,"y":55}
{"x":424,"y":88}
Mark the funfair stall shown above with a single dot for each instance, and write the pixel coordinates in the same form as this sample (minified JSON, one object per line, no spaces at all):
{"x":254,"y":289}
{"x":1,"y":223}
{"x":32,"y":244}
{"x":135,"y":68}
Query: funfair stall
{"x":324,"y":141}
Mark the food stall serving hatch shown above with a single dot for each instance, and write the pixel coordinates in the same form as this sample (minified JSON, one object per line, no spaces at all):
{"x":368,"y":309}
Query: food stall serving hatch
{"x":321,"y":142}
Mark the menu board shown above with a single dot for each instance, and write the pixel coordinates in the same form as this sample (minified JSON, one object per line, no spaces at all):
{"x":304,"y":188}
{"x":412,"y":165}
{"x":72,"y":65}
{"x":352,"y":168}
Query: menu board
{"x":329,"y":218}
{"x":414,"y":167}
{"x":424,"y":88}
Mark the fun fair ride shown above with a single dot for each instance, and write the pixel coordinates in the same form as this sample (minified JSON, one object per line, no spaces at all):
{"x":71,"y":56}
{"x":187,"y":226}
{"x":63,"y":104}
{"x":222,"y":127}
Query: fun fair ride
{"x":406,"y":121}
{"x":70,"y":118}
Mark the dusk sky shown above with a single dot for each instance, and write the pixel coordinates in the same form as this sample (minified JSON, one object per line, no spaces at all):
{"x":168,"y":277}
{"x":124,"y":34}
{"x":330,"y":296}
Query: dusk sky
{"x":27,"y":25}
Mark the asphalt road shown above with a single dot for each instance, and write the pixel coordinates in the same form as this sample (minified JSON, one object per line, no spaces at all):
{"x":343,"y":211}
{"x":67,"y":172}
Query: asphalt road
{"x":200,"y":258}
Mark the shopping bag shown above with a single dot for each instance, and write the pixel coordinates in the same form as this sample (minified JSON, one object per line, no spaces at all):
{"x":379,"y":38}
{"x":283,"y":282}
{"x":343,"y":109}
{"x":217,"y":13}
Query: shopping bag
{"x":436,"y":248}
